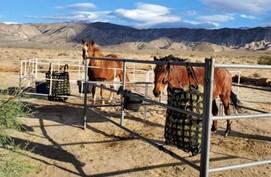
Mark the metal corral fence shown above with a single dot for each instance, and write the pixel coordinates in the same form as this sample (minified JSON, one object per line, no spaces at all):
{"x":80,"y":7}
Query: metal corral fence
{"x":206,"y":170}
{"x":209,"y":66}
{"x":34,"y":69}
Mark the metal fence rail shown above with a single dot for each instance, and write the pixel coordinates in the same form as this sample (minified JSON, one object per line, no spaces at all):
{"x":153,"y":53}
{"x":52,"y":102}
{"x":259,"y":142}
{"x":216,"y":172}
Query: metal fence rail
{"x":179,"y":63}
{"x":231,"y":167}
{"x":251,"y":116}
{"x":243,"y":66}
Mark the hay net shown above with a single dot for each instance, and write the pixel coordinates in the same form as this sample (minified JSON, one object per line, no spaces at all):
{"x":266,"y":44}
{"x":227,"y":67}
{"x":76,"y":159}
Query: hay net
{"x":60,"y":83}
{"x":182,"y":130}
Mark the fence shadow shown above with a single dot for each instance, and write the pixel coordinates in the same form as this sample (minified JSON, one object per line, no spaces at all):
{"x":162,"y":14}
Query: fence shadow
{"x":244,"y":135}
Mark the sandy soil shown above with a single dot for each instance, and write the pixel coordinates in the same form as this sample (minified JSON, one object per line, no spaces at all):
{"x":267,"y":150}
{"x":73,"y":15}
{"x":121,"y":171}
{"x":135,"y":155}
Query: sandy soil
{"x":59,"y":147}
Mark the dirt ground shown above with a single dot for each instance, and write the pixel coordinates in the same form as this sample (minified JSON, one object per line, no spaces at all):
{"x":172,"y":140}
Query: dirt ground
{"x":59,"y":147}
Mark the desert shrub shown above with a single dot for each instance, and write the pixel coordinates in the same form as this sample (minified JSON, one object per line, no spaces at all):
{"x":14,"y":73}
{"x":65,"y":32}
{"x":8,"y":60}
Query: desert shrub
{"x":12,"y":165}
{"x":256,"y":75}
{"x":10,"y":109}
{"x":63,"y":54}
{"x":264,"y":60}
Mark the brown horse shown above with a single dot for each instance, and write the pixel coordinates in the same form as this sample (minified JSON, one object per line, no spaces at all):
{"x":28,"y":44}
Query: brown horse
{"x":101,"y":70}
{"x":178,"y":77}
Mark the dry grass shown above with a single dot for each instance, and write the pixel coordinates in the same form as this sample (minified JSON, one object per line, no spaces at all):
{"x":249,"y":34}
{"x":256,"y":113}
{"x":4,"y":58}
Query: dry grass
{"x":264,"y":60}
{"x":9,"y":69}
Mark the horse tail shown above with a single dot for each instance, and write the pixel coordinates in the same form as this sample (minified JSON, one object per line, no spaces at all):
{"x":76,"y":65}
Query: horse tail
{"x":235,"y":101}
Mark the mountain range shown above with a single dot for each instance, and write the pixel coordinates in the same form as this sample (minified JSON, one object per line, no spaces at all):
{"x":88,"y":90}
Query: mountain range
{"x":107,"y":34}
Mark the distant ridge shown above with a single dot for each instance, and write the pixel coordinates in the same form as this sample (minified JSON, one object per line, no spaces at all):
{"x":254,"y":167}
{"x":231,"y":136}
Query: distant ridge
{"x":70,"y":34}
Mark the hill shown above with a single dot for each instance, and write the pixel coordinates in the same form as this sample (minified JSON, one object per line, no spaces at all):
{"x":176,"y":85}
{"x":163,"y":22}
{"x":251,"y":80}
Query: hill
{"x":70,"y":35}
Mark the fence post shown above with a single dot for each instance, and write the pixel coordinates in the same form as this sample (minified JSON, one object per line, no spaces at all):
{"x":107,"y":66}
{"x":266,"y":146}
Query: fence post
{"x":207,"y":115}
{"x":79,"y":70}
{"x":51,"y":79}
{"x":122,"y":99}
{"x":21,"y":75}
{"x":145,"y":106}
{"x":28,"y":73}
{"x":36,"y":68}
{"x":147,"y":79}
{"x":85,"y":94}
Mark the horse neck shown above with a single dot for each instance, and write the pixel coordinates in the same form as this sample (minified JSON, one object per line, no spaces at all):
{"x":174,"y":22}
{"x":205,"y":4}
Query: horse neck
{"x":94,"y":62}
{"x":178,"y":76}
{"x":98,"y":53}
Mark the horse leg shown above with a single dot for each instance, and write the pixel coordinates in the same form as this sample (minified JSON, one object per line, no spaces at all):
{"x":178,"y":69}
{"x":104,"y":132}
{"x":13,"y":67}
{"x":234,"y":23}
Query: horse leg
{"x":101,"y":94}
{"x":120,"y":76}
{"x":111,"y":95}
{"x":226,"y":103}
{"x":93,"y":94}
{"x":214,"y":112}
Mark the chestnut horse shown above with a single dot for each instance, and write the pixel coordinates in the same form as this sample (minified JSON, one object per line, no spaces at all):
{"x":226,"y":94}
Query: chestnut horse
{"x":179,"y":76}
{"x":101,"y":70}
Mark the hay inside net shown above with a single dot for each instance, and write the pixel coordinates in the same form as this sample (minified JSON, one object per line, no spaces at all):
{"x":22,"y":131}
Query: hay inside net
{"x":182,"y":130}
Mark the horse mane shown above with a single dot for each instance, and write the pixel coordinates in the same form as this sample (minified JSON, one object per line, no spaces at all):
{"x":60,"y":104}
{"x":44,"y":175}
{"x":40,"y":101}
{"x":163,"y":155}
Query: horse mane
{"x":171,"y":58}
{"x":97,"y":50}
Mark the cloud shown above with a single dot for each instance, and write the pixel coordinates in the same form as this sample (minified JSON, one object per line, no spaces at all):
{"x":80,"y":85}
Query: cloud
{"x":146,"y":15}
{"x":247,"y":6}
{"x":80,"y":16}
{"x":250,"y":17}
{"x":191,"y":12}
{"x":216,"y":18}
{"x":198,"y":24}
{"x":78,"y":6}
{"x":10,"y":22}
{"x":186,"y":24}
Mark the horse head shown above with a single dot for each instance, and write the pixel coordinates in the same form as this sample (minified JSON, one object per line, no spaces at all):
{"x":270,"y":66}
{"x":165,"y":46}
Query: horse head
{"x":89,"y":49}
{"x":167,"y":74}
{"x":161,"y":77}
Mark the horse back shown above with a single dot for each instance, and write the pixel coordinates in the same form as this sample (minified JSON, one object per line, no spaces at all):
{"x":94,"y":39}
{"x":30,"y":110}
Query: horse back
{"x":222,"y":81}
{"x":114,"y":64}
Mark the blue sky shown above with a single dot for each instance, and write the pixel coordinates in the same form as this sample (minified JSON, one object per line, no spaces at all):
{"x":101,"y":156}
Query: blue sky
{"x":141,"y":14}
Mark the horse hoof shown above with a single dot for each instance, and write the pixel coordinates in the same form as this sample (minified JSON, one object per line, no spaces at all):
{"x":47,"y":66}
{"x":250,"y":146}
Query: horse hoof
{"x":214,"y":130}
{"x":226,"y":133}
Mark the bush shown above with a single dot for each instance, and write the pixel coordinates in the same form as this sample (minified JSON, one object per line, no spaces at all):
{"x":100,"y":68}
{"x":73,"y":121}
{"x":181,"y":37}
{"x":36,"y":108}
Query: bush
{"x":264,"y":60}
{"x":10,"y":109}
{"x":11,"y":163}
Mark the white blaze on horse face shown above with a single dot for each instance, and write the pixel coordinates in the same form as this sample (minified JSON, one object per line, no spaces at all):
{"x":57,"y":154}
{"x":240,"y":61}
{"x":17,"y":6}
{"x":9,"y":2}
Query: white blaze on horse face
{"x":85,"y":49}
{"x":159,"y":85}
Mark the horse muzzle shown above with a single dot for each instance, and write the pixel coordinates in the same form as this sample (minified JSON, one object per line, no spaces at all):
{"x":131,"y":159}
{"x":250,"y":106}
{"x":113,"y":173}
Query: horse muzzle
{"x":156,"y":93}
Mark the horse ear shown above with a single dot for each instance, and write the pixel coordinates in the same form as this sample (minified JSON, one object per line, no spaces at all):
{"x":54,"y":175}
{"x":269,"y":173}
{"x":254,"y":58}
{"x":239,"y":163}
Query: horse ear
{"x":83,"y":42}
{"x":169,"y":66}
{"x":92,"y":43}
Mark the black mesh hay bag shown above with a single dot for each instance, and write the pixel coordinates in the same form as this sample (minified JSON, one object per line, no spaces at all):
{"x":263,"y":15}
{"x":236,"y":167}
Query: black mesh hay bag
{"x":182,"y":130}
{"x":60,"y":84}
